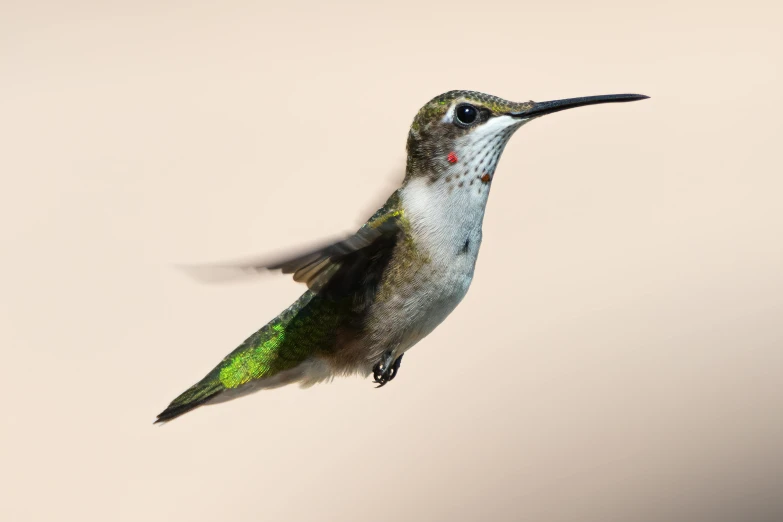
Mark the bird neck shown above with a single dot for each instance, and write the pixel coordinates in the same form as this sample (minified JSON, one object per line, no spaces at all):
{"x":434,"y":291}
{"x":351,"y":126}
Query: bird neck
{"x":446,"y":211}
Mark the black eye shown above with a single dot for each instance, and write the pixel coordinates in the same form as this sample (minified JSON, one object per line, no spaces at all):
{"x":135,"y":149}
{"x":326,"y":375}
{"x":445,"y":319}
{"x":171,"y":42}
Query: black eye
{"x":466,"y":114}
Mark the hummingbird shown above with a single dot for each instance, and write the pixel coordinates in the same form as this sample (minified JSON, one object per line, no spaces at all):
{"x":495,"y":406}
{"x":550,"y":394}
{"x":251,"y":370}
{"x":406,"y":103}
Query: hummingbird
{"x":373,"y":295}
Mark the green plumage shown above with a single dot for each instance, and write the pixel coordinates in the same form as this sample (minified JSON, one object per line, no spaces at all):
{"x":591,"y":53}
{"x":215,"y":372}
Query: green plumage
{"x":346,"y":275}
{"x":307,"y":327}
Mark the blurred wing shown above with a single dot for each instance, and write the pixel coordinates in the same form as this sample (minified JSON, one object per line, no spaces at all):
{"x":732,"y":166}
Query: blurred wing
{"x":333,"y":270}
{"x":338,"y":268}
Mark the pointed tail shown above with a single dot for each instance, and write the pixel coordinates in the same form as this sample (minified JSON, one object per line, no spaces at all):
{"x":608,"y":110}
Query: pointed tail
{"x":195,"y":396}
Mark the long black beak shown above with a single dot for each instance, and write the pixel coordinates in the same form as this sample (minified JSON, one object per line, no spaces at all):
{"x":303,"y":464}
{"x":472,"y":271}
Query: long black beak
{"x":539,"y":109}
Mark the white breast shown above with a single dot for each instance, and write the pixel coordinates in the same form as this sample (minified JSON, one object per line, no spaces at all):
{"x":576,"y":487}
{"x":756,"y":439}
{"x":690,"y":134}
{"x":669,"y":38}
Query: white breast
{"x":446,"y":227}
{"x":445,"y":215}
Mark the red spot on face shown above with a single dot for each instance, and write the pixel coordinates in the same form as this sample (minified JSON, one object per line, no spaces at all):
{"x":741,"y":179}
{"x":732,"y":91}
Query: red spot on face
{"x":452,"y":157}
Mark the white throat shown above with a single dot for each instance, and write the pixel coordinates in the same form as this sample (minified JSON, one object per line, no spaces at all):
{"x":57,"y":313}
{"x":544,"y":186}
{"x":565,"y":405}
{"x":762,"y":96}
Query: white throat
{"x":448,"y":210}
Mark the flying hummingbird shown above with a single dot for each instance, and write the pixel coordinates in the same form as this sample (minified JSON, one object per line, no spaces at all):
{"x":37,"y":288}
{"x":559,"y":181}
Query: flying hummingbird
{"x":374,"y":295}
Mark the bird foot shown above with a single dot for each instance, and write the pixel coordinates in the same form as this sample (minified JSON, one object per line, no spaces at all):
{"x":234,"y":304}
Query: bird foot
{"x":386,"y":370}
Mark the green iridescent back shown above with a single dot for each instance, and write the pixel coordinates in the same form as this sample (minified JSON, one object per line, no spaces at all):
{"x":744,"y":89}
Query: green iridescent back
{"x":308,"y":326}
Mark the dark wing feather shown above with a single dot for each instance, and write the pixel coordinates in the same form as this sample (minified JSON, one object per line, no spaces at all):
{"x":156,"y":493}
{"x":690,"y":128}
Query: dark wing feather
{"x":353,"y":265}
{"x":317,"y":267}
{"x":340,"y":268}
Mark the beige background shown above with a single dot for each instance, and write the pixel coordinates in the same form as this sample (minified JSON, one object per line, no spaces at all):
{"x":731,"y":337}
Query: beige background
{"x":617,"y":359}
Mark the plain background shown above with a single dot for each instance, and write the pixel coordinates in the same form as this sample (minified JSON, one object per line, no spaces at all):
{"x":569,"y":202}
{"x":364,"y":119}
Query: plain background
{"x":618,"y":357}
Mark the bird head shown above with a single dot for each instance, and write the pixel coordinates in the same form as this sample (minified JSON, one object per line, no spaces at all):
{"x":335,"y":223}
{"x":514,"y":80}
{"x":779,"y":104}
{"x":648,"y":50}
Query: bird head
{"x":464,"y":133}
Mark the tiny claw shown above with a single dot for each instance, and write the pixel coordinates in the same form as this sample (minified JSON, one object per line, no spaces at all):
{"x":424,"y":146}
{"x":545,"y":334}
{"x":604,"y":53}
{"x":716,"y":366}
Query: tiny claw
{"x":377,"y":373}
{"x":395,"y":368}
{"x":385,"y":371}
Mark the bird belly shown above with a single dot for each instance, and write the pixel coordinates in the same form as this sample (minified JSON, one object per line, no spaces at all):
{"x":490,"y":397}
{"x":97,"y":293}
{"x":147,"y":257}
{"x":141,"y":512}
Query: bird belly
{"x":418,"y":305}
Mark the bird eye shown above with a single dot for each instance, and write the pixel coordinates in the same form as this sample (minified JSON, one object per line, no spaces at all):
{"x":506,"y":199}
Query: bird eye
{"x":465,"y":114}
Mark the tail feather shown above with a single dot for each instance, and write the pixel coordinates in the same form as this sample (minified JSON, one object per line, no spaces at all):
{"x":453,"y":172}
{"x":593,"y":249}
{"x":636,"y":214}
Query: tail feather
{"x":195,"y":396}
